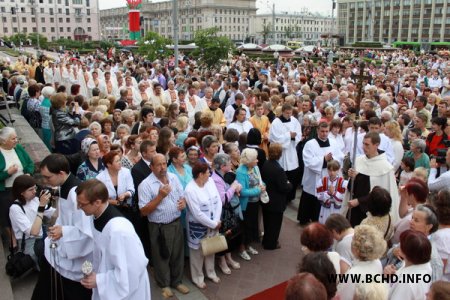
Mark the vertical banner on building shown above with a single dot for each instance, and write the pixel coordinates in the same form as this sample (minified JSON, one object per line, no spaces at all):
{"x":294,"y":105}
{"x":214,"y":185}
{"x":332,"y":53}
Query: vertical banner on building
{"x":134,"y":25}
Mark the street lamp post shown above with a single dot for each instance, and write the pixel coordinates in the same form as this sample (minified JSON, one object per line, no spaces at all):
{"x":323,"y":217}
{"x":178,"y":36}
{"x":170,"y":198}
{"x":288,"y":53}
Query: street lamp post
{"x":175,"y":30}
{"x":18,"y":25}
{"x":32,"y":3}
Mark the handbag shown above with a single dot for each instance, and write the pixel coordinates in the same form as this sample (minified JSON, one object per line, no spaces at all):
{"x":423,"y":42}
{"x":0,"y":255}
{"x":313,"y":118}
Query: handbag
{"x":230,"y":221}
{"x":214,"y":244}
{"x":18,"y":263}
{"x":264,"y":197}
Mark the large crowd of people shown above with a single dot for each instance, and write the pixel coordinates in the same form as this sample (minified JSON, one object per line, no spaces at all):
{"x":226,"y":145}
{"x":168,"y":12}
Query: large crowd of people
{"x":150,"y":160}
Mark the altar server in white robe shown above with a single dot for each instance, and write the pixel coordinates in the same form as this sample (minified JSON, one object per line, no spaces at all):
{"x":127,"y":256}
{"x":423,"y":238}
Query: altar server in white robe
{"x":119,"y":263}
{"x":70,"y":241}
{"x":287,"y":131}
{"x":49,"y":73}
{"x":316,"y":154}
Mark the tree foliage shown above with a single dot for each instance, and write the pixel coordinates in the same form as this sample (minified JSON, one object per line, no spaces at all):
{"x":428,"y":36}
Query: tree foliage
{"x":43,"y":42}
{"x":266,"y":31}
{"x":153,"y":46}
{"x":212,"y":48}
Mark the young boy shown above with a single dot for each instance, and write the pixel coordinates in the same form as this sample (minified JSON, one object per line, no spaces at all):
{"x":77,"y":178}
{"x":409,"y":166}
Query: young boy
{"x":330,"y":191}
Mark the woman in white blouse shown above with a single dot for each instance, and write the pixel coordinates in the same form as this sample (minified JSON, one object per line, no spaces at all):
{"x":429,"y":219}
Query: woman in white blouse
{"x":27,"y":222}
{"x":203,"y":219}
{"x":119,"y":182}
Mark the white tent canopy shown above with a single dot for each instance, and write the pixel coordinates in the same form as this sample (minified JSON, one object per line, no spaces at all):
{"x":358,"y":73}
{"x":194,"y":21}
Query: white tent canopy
{"x":305,"y":49}
{"x":249,"y":46}
{"x":277,"y":47}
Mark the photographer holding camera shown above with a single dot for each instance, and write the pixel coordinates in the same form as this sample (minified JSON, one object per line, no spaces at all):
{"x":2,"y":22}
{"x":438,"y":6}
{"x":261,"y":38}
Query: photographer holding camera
{"x":27,"y":213}
{"x":435,"y":182}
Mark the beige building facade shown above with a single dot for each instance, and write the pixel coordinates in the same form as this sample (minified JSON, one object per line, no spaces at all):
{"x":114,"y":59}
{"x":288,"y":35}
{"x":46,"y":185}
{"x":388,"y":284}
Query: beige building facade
{"x":302,"y":26}
{"x":235,"y":19}
{"x":388,"y":21}
{"x":71,"y":19}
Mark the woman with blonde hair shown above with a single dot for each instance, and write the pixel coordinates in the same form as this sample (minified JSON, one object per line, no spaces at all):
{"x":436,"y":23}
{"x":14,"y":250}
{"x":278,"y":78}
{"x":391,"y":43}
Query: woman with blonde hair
{"x":181,"y":125}
{"x":248,"y":176}
{"x":392,"y":130}
{"x":128,"y":117}
{"x":368,"y":245}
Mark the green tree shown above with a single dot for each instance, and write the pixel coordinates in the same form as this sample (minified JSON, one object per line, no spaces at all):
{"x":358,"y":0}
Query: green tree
{"x":266,"y":31}
{"x":153,"y":46}
{"x":212,"y":48}
{"x":43,"y":42}
{"x":17,"y":38}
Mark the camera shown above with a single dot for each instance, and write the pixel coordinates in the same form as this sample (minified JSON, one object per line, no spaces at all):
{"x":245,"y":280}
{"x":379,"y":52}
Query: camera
{"x":53,"y":192}
{"x":442,"y":153}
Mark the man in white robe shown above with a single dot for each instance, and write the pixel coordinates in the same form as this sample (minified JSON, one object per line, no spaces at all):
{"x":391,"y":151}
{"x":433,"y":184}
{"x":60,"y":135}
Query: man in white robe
{"x":370,"y":170}
{"x":286,"y":130}
{"x":70,"y":241}
{"x":119,"y":265}
{"x":49,"y":73}
{"x":316,"y":154}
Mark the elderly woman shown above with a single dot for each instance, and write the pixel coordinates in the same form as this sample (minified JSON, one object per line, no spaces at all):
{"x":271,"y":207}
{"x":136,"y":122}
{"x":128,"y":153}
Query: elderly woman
{"x":64,"y":124}
{"x":96,"y":129}
{"x":249,"y":177}
{"x":368,"y":246}
{"x":424,"y":220}
{"x":93,"y":164}
{"x":121,"y":131}
{"x":44,"y":110}
{"x":203,"y":219}
{"x":416,"y":251}
{"x":27,"y":218}
{"x":393,"y":132}
{"x":228,"y":189}
{"x":277,"y":186}
{"x":128,"y":117}
{"x":378,"y":206}
{"x":119,"y":183}
{"x":104,"y":144}
{"x":417,"y":152}
{"x":14,"y":161}
{"x":253,"y":141}
{"x":210,"y":147}
{"x":235,"y":155}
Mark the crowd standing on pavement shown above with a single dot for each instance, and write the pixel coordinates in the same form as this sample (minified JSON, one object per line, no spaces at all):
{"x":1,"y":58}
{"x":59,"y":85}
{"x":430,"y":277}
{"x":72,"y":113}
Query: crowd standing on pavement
{"x":163,"y":157}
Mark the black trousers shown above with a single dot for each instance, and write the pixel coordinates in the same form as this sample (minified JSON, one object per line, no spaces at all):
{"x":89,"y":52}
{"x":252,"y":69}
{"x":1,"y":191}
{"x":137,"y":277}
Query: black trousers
{"x":52,"y":286}
{"x":294,"y":177}
{"x":309,"y":209}
{"x":272,"y":227}
{"x":250,"y":223}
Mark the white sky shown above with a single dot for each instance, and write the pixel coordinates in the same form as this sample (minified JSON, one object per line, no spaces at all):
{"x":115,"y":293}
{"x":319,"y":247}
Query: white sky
{"x":321,"y":6}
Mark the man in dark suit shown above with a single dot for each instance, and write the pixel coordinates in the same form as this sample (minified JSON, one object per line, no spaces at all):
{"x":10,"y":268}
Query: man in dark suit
{"x":139,"y":172}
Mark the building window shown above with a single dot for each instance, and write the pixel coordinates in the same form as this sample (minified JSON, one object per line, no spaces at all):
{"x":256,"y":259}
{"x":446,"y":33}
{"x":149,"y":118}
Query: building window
{"x":52,"y":29}
{"x":60,"y":20}
{"x":42,"y":10}
{"x":88,"y":4}
{"x":77,"y":2}
{"x":43,"y":20}
{"x":24,"y":20}
{"x":68,"y":29}
{"x":33,"y":20}
{"x":88,"y":20}
{"x":67,"y":12}
{"x":61,"y":29}
{"x":67,"y":2}
{"x":43,"y":29}
{"x":68,"y":20}
{"x":51,"y":11}
{"x":88,"y":12}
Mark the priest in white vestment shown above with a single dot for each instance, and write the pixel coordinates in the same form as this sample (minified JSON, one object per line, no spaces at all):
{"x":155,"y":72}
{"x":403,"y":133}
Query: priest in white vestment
{"x":286,"y":130}
{"x":119,"y":267}
{"x":370,"y":170}
{"x":316,"y":154}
